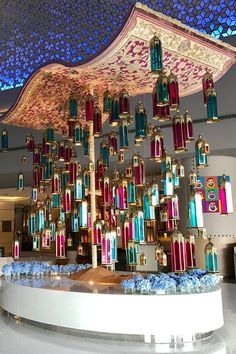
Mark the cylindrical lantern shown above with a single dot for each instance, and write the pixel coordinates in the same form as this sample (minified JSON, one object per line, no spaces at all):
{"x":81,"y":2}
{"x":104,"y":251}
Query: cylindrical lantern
{"x":60,"y":240}
{"x":212,"y":114}
{"x":77,"y":133}
{"x":178,"y":257}
{"x":173,"y":87}
{"x":162,"y":90}
{"x":115,"y":111}
{"x":107,"y":100}
{"x":156,"y":55}
{"x":46,"y":238}
{"x":225,"y":196}
{"x":20,"y":181}
{"x":83,"y":213}
{"x":207,"y":81}
{"x":124,"y":108}
{"x":97,"y":122}
{"x":123,"y":135}
{"x":140,"y":122}
{"x":190,"y":250}
{"x":211,"y":261}
{"x":4,"y":140}
{"x":89,"y":107}
{"x":201,"y":152}
{"x":188,"y":126}
{"x":179,"y":133}
{"x":195,"y":210}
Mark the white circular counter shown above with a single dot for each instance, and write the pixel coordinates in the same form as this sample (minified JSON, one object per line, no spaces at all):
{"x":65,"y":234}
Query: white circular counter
{"x":62,"y":302}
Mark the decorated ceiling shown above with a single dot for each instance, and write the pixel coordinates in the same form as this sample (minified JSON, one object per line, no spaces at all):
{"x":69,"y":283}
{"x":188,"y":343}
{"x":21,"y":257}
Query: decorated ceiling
{"x":36,"y":32}
{"x":125,"y":63}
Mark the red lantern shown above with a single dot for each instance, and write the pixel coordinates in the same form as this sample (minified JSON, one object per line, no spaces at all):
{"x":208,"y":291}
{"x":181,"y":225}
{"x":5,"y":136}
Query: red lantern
{"x":157,"y":145}
{"x":67,"y":200}
{"x":179,"y":133}
{"x":178,"y":256}
{"x":89,"y":107}
{"x":190,"y":250}
{"x":173,"y":88}
{"x":207,"y":81}
{"x":188,"y":127}
{"x":124,"y":107}
{"x":97,"y":122}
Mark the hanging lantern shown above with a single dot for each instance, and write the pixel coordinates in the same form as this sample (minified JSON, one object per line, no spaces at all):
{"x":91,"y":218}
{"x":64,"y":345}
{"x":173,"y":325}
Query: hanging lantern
{"x":211,"y":260}
{"x":106,"y":246}
{"x":174,"y":170}
{"x":178,"y":257}
{"x":168,"y":182}
{"x":188,"y":127}
{"x":52,"y":227}
{"x":115,"y":111}
{"x":68,"y":152}
{"x":83,"y":213}
{"x":137,"y":142}
{"x":150,"y":129}
{"x":154,"y":195}
{"x":148,"y":208}
{"x":212,"y":115}
{"x":140,"y":122}
{"x":36,"y":242}
{"x":163,"y":214}
{"x":60,"y":240}
{"x":46,"y":238}
{"x":132,"y":255}
{"x":106,"y":191}
{"x":55,"y":182}
{"x":173,"y":207}
{"x":104,"y":151}
{"x":49,"y":133}
{"x":173,"y":88}
{"x":78,"y":189}
{"x":121,"y":157}
{"x":162,"y":90}
{"x":225,"y":196}
{"x":123,"y":135}
{"x":156,"y":145}
{"x":23,"y":159}
{"x":70,"y":130}
{"x":100,"y":171}
{"x":112,"y":142}
{"x":132,"y":193}
{"x":74,"y":220}
{"x":61,"y":150}
{"x":86,"y":178}
{"x":36,"y":176}
{"x":4,"y":140}
{"x":124,"y":107}
{"x":156,"y":55}
{"x":179,"y":133}
{"x":180,"y":170}
{"x":97,"y":122}
{"x":37,"y":155}
{"x":192,"y":178}
{"x":163,"y":114}
{"x":125,"y":231}
{"x":201,"y":152}
{"x":137,"y":226}
{"x":190,"y":250}
{"x":40,"y":218}
{"x":77,"y":133}
{"x":142,"y":259}
{"x":64,"y":178}
{"x":97,"y":231}
{"x":16,"y":249}
{"x":32,"y":222}
{"x":138,"y":170}
{"x":113,"y":246}
{"x":48,"y":168}
{"x":195,"y":210}
{"x":73,"y":171}
{"x":34,"y":194}
{"x":107,"y":101}
{"x":20,"y":181}
{"x":155,"y":110}
{"x":89,"y":107}
{"x":73,"y":106}
{"x":207,"y":81}
{"x":56,"y":200}
{"x":122,"y":197}
{"x":166,"y":160}
{"x":67,"y":200}
{"x":48,"y":208}
{"x":29,"y":140}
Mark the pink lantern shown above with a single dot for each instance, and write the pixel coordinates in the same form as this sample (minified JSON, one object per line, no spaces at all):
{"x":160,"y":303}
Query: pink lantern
{"x":29,"y":140}
{"x":163,"y":113}
{"x":16,"y":249}
{"x":106,"y":246}
{"x":190,"y":250}
{"x":157,"y":144}
{"x":173,"y":207}
{"x":122,"y":194}
{"x":178,"y":256}
{"x":97,"y":122}
{"x":89,"y":107}
{"x":37,"y":155}
{"x":46,"y":238}
{"x":124,"y":108}
{"x":61,"y":150}
{"x":106,"y":191}
{"x":112,"y":141}
{"x":188,"y":127}
{"x":70,"y":130}
{"x":60,"y":240}
{"x":225,"y":196}
{"x":67,"y":200}
{"x":173,"y":88}
{"x":138,"y":170}
{"x":55,"y":183}
{"x":68,"y":152}
{"x":73,"y":170}
{"x":179,"y":133}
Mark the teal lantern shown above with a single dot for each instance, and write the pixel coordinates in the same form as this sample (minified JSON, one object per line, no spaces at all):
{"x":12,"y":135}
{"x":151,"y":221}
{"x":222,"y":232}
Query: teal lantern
{"x":86,"y":140}
{"x":212,"y":115}
{"x":64,"y":178}
{"x":115,"y":111}
{"x":78,"y":189}
{"x":154,"y":194}
{"x":174,"y":170}
{"x":86,"y":178}
{"x":162,"y":90}
{"x":168,"y":182}
{"x":138,"y":226}
{"x":56,"y":200}
{"x":211,"y":261}
{"x":105,"y":152}
{"x":4,"y":140}
{"x":123,"y":135}
{"x":75,"y":220}
{"x":148,"y":208}
{"x":83,"y":214}
{"x":156,"y":55}
{"x":166,"y":160}
{"x":73,"y":106}
{"x":20,"y":181}
{"x":201,"y":151}
{"x":49,"y":133}
{"x":77,"y":133}
{"x":140,"y":122}
{"x":40,"y":218}
{"x":48,"y":168}
{"x":195,"y":210}
{"x":107,"y":101}
{"x":131,"y":253}
{"x":32,"y":222}
{"x":113,"y":245}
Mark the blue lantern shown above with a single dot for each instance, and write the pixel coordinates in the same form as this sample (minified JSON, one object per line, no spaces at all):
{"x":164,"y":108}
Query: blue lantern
{"x":123,"y":135}
{"x":212,"y":114}
{"x":115,"y":111}
{"x":195,"y":210}
{"x":78,"y":189}
{"x":156,"y":55}
{"x":34,"y":194}
{"x":211,"y":261}
{"x":40,"y":218}
{"x":75,"y":220}
{"x":56,"y":200}
{"x":77,"y":134}
{"x":4,"y":140}
{"x":140,"y":122}
{"x":104,"y":151}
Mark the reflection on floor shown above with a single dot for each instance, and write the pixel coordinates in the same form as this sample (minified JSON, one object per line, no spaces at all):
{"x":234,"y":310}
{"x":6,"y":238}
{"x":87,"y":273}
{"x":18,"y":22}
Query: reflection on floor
{"x":23,"y":338}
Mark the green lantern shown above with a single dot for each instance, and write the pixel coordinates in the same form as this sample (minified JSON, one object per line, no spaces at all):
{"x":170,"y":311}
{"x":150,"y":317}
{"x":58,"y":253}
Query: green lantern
{"x":156,"y":55}
{"x":140,"y":122}
{"x":162,"y":90}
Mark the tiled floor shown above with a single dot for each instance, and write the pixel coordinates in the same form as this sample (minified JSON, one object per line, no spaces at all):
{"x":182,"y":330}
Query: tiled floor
{"x":23,"y":338}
